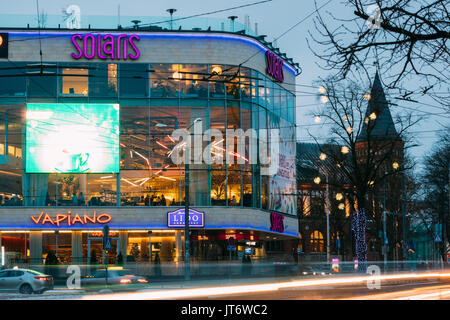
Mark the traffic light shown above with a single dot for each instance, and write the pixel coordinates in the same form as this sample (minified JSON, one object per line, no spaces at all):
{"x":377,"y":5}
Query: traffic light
{"x":3,"y":45}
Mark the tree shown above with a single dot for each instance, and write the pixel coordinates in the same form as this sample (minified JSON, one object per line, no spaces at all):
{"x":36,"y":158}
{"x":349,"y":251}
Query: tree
{"x":365,"y":151}
{"x":436,"y":180}
{"x":406,"y":36}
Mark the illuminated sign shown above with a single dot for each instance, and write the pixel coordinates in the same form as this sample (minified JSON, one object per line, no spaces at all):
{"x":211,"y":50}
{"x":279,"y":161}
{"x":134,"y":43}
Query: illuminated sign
{"x":276,"y":222}
{"x":176,"y":218}
{"x":70,"y":219}
{"x":4,"y":45}
{"x":72,"y":138}
{"x":274,"y":66}
{"x":105,"y":46}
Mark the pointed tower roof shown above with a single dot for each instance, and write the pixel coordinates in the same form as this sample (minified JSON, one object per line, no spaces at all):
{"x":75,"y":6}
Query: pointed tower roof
{"x":382,"y":127}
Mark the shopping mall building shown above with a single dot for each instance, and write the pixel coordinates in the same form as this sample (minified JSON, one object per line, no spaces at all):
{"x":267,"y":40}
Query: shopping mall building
{"x":86,"y":124}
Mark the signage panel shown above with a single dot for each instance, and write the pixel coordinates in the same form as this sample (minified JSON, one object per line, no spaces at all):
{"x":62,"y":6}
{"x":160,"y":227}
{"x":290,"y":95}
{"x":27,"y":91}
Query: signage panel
{"x":176,"y":218}
{"x":274,"y":66}
{"x":276,"y":222}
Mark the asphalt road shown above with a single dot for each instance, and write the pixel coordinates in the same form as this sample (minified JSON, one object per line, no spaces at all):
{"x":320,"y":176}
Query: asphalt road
{"x":334,"y":288}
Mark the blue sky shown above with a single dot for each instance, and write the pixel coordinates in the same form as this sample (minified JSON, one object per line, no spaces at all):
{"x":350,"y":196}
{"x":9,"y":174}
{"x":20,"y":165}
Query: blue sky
{"x":273,"y":19}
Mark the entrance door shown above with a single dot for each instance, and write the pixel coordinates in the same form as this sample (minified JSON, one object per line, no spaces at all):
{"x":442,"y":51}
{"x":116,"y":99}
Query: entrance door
{"x":96,"y":254}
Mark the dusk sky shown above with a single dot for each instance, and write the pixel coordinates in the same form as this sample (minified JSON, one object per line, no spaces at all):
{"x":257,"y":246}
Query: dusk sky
{"x":273,"y":18}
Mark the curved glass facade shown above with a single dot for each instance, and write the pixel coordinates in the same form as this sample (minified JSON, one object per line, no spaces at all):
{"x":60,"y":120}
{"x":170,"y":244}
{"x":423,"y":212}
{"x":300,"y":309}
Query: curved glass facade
{"x":154,"y":100}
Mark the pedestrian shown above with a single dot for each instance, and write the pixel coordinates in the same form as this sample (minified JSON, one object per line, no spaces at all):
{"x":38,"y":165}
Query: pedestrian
{"x":157,"y":267}
{"x":74,"y":199}
{"x":81,"y":200}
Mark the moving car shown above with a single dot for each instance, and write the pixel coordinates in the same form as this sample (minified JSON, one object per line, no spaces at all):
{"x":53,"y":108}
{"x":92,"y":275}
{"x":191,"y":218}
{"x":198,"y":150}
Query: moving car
{"x":119,"y":279}
{"x":25,"y":281}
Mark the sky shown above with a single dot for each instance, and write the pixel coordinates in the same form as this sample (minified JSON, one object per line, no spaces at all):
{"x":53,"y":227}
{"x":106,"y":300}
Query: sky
{"x":274,"y":18}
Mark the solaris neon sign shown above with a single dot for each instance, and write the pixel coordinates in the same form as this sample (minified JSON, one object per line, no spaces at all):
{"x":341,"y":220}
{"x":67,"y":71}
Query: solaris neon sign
{"x":107,"y":46}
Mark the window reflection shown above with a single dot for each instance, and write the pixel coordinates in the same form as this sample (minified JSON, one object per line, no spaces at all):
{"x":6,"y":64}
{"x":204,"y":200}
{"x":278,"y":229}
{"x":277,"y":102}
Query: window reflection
{"x":193,"y":82}
{"x":216,"y":81}
{"x":102,"y":189}
{"x":134,"y":187}
{"x":165,"y":81}
{"x":133,"y":81}
{"x":103,"y":80}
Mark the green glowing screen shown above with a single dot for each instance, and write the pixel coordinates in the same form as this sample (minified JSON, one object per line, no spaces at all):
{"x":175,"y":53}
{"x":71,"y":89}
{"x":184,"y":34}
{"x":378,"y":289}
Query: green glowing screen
{"x":72,"y":138}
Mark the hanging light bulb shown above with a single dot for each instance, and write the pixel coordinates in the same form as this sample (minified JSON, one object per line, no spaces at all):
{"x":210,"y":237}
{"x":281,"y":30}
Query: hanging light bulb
{"x":317,"y":119}
{"x":345,"y":149}
{"x":324,"y":99}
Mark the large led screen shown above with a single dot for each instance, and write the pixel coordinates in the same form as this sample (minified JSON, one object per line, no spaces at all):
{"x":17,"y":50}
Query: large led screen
{"x":72,"y":138}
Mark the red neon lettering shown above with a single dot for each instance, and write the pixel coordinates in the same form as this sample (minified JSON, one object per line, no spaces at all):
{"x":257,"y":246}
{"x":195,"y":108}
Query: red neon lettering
{"x":77,"y":218}
{"x":100,"y":218}
{"x":60,"y":218}
{"x":34,"y":219}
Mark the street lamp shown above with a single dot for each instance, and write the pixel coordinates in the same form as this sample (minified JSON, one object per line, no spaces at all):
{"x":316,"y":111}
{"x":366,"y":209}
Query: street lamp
{"x":187,"y":270}
{"x":323,"y":157}
{"x":171,"y":11}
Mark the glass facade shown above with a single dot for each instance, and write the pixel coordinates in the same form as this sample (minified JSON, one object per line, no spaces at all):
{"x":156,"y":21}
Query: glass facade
{"x":155,"y":100}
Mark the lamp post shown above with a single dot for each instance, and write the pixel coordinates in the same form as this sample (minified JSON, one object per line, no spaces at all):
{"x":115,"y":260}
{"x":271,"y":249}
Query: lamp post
{"x":187,"y":267}
{"x":171,"y":11}
{"x":322,"y":157}
{"x":327,"y":213}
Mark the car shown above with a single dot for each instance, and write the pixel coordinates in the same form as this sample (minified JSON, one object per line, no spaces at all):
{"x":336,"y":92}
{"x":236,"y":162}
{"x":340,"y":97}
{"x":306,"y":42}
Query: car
{"x":25,"y":281}
{"x":119,"y":279}
{"x":315,"y":270}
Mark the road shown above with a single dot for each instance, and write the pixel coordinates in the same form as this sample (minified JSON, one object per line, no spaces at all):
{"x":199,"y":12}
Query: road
{"x":434,"y":286}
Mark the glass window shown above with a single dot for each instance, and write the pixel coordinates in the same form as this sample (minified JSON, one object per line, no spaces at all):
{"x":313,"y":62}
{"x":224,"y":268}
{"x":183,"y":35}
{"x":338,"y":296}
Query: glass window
{"x":247,"y":189}
{"x":316,"y":241}
{"x":283,"y":104}
{"x":167,"y":187}
{"x":246,"y":84}
{"x":198,"y":189}
{"x":218,"y":187}
{"x":16,"y":246}
{"x":41,"y":86}
{"x":74,"y":81}
{"x":255,"y":83}
{"x":291,"y":107}
{"x":232,"y":82}
{"x":138,"y":246}
{"x":134,"y":137}
{"x":133,"y":80}
{"x":12,"y":79}
{"x":103,"y":80}
{"x":163,"y":121}
{"x":102,"y":190}
{"x":216,"y":81}
{"x":165,"y":80}
{"x":135,"y":187}
{"x":193,"y":82}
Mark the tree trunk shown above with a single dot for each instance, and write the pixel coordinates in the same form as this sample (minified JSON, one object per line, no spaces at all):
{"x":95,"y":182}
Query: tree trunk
{"x":359,"y":228}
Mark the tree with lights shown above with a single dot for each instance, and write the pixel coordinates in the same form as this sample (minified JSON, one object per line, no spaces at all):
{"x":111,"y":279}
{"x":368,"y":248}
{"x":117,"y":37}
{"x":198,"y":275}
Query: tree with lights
{"x":366,"y":152}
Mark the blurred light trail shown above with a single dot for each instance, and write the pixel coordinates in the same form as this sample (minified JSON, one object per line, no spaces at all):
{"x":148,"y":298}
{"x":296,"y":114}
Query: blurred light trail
{"x":253,"y":288}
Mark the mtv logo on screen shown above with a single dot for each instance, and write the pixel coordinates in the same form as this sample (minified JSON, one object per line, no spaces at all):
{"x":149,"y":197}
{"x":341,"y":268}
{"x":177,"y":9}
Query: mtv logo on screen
{"x":4,"y":45}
